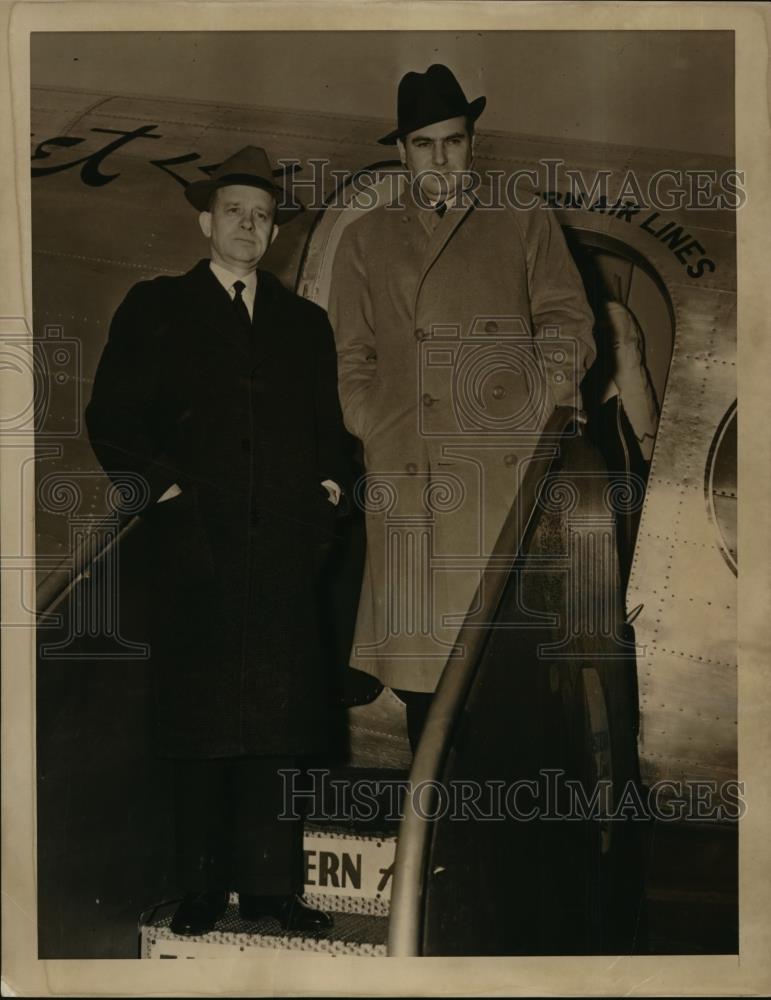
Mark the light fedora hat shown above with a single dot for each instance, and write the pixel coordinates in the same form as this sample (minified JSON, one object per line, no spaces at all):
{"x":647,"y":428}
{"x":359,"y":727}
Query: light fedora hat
{"x":249,"y":166}
{"x":433,"y":96}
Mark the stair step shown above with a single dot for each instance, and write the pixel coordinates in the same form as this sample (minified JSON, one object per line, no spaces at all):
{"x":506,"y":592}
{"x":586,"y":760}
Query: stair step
{"x":378,"y":733}
{"x":348,"y":874}
{"x":353,"y":933}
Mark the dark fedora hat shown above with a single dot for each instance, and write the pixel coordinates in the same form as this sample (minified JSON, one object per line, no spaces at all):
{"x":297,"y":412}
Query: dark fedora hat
{"x":249,"y":166}
{"x":433,"y":96}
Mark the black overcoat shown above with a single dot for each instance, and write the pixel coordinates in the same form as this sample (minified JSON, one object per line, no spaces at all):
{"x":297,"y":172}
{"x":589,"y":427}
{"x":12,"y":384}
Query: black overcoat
{"x":248,"y":424}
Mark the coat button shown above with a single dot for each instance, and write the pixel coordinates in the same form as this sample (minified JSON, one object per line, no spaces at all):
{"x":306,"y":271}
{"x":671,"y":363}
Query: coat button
{"x":405,"y":218}
{"x":428,"y":400}
{"x":411,"y":468}
{"x":499,"y":392}
{"x":420,"y":334}
{"x":491,"y":326}
{"x":510,"y":459}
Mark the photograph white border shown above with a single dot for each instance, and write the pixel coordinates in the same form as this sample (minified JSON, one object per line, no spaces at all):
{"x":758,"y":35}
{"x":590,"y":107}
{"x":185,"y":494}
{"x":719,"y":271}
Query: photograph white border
{"x":300,"y":974}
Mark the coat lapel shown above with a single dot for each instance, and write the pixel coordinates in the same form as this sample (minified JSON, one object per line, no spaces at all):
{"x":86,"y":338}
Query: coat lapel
{"x":439,"y":237}
{"x":208,"y":304}
{"x":265,"y":323}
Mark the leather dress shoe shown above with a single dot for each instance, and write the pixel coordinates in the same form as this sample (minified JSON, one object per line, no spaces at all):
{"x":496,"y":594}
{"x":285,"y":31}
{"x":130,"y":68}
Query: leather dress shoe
{"x":292,"y":912}
{"x":198,"y":913}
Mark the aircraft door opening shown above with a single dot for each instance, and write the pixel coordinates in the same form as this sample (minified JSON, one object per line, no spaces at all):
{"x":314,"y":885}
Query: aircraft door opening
{"x":624,"y":389}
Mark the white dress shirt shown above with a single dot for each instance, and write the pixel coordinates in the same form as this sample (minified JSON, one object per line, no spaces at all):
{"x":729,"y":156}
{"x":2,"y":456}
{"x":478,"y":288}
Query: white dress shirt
{"x":227,"y":279}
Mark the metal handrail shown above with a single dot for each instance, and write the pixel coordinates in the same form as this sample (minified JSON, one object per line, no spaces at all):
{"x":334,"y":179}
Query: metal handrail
{"x":62,"y":580}
{"x":404,"y":931}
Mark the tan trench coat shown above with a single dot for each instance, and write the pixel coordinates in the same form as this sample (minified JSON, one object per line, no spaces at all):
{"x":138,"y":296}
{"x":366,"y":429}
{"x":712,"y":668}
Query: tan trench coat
{"x":456,"y":337}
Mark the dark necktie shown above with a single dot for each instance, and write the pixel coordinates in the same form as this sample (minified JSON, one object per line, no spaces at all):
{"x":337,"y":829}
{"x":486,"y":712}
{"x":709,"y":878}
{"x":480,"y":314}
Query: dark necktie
{"x":441,"y":208}
{"x":239,"y":306}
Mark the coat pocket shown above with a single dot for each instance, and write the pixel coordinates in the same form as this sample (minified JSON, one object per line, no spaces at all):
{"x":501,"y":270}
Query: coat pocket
{"x":180,"y":549}
{"x":367,"y":417}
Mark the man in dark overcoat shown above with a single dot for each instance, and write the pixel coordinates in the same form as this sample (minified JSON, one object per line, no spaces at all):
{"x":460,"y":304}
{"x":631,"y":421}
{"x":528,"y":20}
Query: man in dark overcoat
{"x":218,"y":389}
{"x":461,"y":322}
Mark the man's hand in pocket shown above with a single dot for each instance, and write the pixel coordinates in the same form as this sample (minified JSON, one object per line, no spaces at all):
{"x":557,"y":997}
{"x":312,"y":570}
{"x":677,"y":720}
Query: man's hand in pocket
{"x":333,"y":491}
{"x":172,"y":491}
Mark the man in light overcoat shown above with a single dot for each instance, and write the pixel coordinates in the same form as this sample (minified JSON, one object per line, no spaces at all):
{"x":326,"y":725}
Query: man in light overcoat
{"x":459,"y":328}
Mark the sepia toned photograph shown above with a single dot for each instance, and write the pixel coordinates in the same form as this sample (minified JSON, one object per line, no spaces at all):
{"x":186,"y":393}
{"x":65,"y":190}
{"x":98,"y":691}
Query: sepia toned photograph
{"x":385,"y":478}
